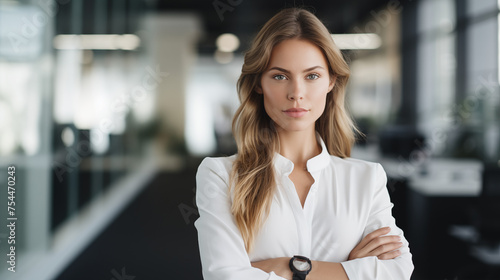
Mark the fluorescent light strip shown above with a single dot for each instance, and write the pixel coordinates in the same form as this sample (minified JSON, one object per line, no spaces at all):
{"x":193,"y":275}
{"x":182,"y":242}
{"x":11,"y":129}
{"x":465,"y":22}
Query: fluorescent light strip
{"x":357,"y":41}
{"x":96,"y":42}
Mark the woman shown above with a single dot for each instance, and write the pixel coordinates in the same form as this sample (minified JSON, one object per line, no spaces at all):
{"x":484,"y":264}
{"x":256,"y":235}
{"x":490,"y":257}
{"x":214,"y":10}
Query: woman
{"x":292,"y":203}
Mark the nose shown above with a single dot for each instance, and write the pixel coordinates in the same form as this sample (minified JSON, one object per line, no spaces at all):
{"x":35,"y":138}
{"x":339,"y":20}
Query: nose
{"x":296,"y":91}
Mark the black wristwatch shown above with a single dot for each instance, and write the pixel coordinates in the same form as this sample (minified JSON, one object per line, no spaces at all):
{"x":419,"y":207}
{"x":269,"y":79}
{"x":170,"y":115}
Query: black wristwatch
{"x":300,"y":266}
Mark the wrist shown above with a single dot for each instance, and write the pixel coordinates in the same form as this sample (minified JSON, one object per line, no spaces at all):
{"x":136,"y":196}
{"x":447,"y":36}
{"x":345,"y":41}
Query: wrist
{"x":300,"y":267}
{"x":314,"y":271}
{"x":327,"y":270}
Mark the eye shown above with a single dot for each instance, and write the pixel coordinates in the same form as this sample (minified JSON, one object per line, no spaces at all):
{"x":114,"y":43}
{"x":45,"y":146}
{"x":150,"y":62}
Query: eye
{"x":279,"y":77}
{"x":313,"y":76}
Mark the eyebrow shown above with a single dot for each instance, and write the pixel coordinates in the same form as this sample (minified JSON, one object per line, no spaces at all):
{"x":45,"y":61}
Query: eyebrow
{"x":287,"y":71}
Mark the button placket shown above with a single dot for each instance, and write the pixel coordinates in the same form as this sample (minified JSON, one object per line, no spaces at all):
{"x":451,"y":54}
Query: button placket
{"x":309,"y":207}
{"x":302,"y":222}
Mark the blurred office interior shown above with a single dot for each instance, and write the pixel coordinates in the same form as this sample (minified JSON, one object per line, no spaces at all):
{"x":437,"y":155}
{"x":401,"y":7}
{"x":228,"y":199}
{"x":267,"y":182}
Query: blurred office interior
{"x":108,"y":106}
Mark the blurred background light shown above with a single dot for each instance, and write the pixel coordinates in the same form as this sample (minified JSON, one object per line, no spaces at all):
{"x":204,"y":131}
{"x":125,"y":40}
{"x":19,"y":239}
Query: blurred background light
{"x":357,"y":41}
{"x":227,"y":42}
{"x":96,"y":42}
{"x":68,"y":136}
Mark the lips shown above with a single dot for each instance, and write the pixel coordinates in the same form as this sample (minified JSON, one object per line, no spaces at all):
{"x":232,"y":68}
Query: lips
{"x":295,"y":112}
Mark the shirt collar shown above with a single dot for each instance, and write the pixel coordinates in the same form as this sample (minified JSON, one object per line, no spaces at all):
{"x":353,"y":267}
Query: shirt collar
{"x":316,"y":163}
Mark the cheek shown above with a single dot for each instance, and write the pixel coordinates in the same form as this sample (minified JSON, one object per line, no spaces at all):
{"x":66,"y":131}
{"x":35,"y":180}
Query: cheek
{"x":273,"y":89}
{"x":319,"y":93}
{"x":273,"y":95}
{"x":321,"y":103}
{"x":271,"y":104}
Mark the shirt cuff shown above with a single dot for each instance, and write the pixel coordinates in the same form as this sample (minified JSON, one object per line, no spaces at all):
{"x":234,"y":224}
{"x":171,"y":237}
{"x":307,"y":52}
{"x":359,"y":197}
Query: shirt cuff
{"x":352,"y":267}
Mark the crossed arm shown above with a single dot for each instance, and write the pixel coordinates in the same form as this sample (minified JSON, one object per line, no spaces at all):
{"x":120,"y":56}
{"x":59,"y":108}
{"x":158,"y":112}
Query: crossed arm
{"x":376,"y":244}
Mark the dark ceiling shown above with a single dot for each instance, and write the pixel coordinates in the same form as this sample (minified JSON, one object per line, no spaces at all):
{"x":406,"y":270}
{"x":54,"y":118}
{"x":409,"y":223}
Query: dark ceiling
{"x":241,"y":17}
{"x":245,"y":17}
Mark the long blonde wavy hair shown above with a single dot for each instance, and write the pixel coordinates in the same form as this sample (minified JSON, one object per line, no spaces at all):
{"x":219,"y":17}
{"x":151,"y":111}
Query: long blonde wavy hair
{"x":252,"y":176}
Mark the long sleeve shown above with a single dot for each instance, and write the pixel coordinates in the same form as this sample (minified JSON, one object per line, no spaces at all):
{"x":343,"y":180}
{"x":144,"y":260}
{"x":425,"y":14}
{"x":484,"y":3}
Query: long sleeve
{"x":222,"y":250}
{"x":399,"y":268}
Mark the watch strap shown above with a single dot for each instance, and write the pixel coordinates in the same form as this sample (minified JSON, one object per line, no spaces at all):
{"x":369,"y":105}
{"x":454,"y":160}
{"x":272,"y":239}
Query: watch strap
{"x":298,"y":276}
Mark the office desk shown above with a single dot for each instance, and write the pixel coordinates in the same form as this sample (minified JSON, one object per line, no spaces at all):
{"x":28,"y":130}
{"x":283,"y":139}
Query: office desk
{"x":423,"y":172}
{"x":429,"y":197}
{"x":442,"y":195}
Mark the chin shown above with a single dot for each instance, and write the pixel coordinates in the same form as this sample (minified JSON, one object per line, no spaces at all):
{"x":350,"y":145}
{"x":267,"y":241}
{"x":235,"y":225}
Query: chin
{"x":296,"y":127}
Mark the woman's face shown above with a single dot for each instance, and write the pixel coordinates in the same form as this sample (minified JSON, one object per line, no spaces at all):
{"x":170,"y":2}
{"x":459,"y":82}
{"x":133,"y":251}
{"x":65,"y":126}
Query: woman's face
{"x":295,"y":85}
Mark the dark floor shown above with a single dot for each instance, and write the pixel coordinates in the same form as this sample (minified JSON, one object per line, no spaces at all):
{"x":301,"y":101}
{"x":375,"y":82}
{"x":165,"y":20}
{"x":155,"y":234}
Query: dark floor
{"x":153,"y":238}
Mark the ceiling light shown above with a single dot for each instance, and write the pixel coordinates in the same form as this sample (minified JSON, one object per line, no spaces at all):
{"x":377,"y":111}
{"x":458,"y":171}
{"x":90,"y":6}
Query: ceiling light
{"x":357,"y":41}
{"x":96,"y":42}
{"x":227,"y":42}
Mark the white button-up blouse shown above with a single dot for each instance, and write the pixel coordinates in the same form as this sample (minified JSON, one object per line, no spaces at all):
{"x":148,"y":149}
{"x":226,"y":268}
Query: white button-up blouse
{"x":347,"y":201}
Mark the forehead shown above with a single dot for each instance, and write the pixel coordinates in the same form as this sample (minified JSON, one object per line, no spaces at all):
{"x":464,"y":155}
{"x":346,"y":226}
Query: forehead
{"x":295,"y":54}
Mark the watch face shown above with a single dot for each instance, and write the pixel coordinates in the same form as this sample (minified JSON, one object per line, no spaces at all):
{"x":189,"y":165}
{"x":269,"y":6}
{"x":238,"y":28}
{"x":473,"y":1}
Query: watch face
{"x":301,"y":265}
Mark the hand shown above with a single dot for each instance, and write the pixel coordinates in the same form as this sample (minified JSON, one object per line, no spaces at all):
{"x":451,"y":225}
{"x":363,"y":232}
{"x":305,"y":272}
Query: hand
{"x":278,"y":265}
{"x":374,"y":244}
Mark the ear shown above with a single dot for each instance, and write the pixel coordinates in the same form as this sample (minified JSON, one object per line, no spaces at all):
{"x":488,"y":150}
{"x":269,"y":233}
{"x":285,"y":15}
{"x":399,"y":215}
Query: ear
{"x":258,"y":89}
{"x":332,"y":83}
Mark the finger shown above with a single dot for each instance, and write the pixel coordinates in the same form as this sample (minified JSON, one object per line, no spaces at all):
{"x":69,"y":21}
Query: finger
{"x":382,"y":249}
{"x":389,"y":255}
{"x":377,"y":242}
{"x":369,"y":237}
{"x":379,"y":246}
